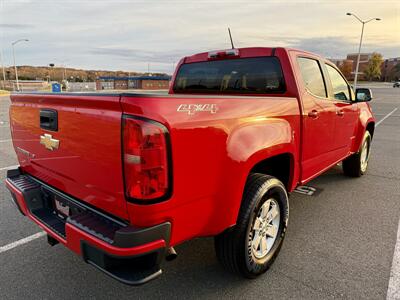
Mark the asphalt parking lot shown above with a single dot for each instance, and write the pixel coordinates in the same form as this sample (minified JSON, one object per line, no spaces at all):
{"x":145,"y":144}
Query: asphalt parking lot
{"x":340,"y":243}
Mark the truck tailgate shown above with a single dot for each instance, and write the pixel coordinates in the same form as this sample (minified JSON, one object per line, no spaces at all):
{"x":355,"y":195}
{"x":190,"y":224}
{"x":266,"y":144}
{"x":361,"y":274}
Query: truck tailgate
{"x":81,"y":155}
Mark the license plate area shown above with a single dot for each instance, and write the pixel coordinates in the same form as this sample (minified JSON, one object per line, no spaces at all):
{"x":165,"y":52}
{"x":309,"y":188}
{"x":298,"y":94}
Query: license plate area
{"x":61,"y":208}
{"x":54,"y":209}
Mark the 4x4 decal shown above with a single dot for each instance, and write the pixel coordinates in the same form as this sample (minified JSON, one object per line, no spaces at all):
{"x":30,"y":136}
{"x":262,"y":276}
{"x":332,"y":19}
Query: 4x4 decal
{"x":191,"y":109}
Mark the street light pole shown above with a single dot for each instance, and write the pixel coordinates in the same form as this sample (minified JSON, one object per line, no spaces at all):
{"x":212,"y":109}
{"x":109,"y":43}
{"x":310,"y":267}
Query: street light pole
{"x":15,"y":66}
{"x":359,"y":46}
{"x":358,"y":57}
{"x":2,"y":66}
{"x":64,"y":69}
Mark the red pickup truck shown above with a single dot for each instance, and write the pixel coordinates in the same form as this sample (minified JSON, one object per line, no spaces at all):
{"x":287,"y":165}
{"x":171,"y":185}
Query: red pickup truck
{"x":122,"y":178}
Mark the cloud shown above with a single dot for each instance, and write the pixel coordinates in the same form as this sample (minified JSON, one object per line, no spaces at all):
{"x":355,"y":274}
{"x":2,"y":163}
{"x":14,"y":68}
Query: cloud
{"x":14,"y":26}
{"x":339,"y":47}
{"x":127,"y":35}
{"x":332,"y":46}
{"x":141,"y":55}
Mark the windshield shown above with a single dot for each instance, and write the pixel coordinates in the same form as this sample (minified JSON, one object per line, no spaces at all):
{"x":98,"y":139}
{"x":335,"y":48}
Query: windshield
{"x":259,"y":75}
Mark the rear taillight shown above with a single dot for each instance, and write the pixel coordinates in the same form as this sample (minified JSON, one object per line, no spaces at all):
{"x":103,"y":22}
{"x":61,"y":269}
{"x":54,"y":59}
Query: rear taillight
{"x":145,"y":154}
{"x":223,"y":54}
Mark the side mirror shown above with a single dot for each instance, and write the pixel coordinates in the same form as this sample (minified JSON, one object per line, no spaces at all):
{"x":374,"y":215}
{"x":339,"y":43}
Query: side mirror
{"x":363,"y":95}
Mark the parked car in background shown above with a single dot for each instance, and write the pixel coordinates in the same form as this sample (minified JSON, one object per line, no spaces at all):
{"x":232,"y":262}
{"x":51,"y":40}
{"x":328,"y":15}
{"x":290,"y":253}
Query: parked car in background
{"x":396,"y":84}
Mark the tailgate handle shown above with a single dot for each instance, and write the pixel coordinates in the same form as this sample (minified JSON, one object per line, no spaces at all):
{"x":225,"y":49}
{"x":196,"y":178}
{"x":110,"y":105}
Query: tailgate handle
{"x":49,"y":119}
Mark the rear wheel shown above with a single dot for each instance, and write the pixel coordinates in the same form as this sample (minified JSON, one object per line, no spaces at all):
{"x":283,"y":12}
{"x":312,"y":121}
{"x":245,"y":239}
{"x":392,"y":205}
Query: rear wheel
{"x":251,"y":246}
{"x":357,"y":164}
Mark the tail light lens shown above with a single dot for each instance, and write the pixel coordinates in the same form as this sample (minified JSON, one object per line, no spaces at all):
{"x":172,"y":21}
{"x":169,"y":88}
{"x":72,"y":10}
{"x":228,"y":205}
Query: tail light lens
{"x":223,"y":54}
{"x":145,"y":157}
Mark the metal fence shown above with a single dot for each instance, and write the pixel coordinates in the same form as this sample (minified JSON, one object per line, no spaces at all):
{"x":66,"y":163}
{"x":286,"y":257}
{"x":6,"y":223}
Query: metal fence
{"x":25,"y":85}
{"x":81,"y":86}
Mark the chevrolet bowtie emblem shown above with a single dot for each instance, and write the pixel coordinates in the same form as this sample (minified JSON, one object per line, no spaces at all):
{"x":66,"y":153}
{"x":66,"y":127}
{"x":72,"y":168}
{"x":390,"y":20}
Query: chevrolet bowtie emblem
{"x":48,"y":141}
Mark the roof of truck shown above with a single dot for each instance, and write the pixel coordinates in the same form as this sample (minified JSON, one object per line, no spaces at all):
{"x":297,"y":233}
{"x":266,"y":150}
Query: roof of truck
{"x":246,"y":52}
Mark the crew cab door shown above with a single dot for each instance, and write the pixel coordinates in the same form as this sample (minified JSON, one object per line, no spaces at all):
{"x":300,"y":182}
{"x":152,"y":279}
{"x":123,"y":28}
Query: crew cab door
{"x":319,"y":114}
{"x":346,"y":111}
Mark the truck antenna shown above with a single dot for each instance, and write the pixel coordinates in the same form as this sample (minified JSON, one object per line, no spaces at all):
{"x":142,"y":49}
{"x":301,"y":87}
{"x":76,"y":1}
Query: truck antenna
{"x":230,"y":36}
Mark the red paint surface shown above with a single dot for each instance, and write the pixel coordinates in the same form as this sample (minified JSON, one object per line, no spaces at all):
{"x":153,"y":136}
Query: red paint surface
{"x":212,"y":153}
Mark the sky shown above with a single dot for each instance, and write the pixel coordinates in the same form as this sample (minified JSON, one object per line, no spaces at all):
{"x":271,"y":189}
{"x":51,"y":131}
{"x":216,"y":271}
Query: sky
{"x":155,"y":34}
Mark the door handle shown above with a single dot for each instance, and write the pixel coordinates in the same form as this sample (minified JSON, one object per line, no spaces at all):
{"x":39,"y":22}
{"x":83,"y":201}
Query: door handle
{"x":340,"y":112}
{"x":313,"y":114}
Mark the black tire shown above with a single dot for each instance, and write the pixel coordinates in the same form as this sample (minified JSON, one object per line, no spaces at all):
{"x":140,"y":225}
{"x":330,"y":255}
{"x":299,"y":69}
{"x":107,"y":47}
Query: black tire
{"x":233,"y":246}
{"x":352,"y":166}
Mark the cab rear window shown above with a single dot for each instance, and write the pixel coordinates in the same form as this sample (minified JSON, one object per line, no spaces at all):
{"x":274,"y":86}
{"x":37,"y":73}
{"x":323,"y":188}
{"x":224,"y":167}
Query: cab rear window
{"x":259,"y":75}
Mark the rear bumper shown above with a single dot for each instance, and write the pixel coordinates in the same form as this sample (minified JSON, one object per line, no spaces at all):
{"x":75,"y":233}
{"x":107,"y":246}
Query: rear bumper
{"x":129,"y":254}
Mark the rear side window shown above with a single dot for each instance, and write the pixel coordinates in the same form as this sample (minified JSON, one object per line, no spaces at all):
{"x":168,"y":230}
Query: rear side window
{"x":339,"y":85}
{"x":312,"y":76}
{"x":258,"y":75}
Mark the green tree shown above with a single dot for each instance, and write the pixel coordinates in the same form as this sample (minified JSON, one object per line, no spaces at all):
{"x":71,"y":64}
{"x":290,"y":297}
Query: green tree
{"x":373,"y":70}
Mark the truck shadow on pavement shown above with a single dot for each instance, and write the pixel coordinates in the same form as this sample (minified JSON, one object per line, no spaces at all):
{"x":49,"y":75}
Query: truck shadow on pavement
{"x":196,"y":273}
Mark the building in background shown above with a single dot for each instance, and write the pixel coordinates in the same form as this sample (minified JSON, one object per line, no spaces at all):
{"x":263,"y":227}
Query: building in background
{"x":80,"y":86}
{"x":364,"y":59}
{"x":345,"y":66}
{"x":387,"y":69}
{"x":133,"y":82}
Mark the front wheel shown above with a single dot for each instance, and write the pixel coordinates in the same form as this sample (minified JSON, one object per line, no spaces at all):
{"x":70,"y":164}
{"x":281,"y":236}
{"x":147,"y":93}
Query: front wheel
{"x":251,"y":246}
{"x":356,"y":165}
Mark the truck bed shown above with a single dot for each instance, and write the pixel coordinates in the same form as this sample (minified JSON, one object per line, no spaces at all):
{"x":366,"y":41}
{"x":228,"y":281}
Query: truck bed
{"x":207,"y":133}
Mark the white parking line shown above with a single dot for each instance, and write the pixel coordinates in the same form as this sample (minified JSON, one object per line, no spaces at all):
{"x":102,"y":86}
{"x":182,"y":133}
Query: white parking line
{"x":9,"y":167}
{"x":393,"y":292}
{"x":5,"y":141}
{"x":394,"y":281}
{"x":22,"y":241}
{"x":385,"y":117}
